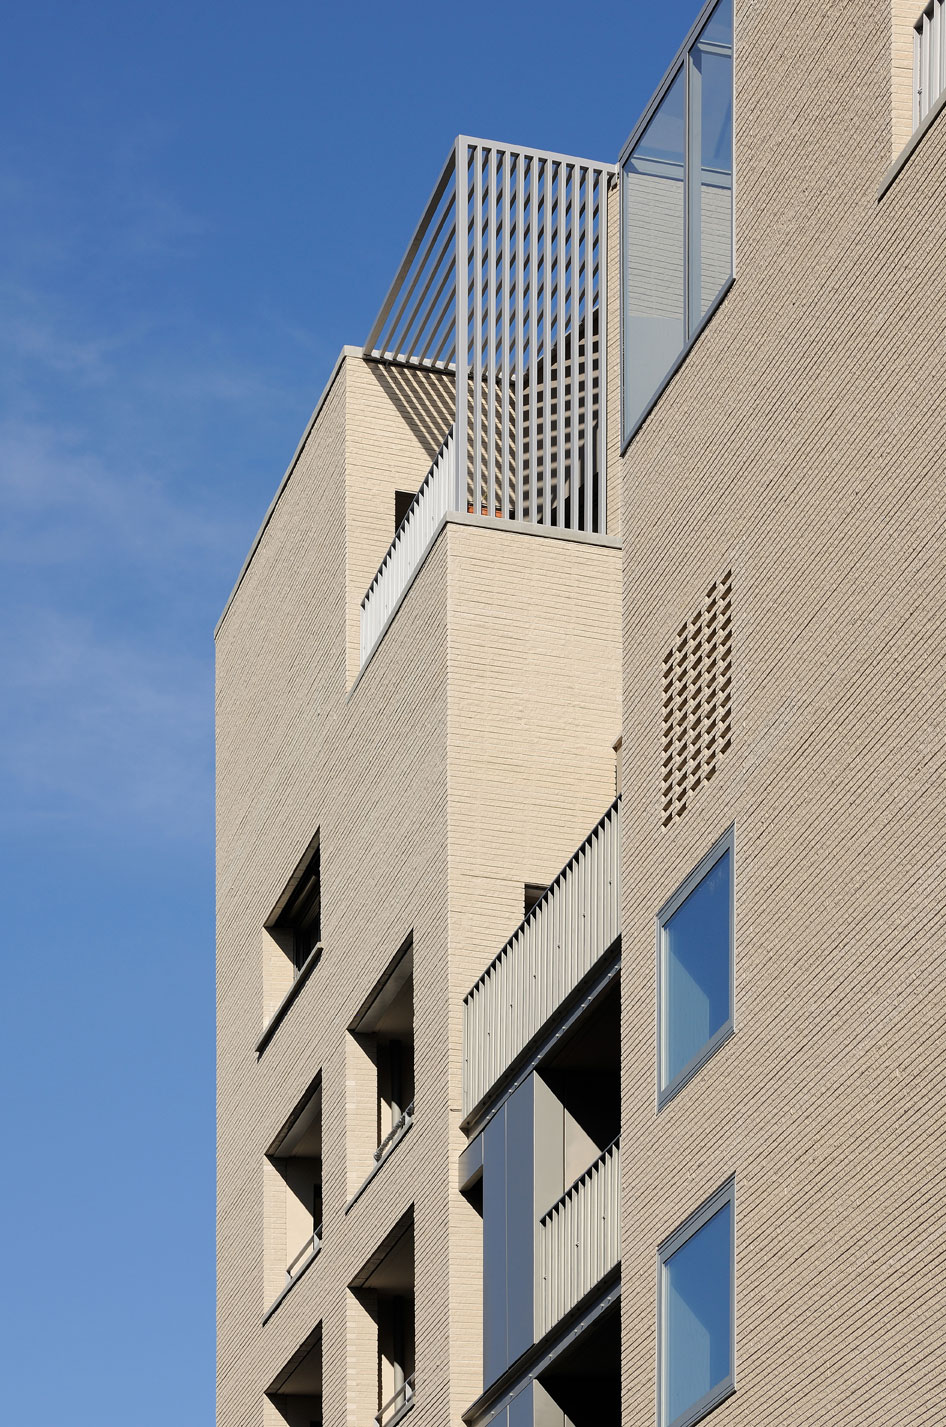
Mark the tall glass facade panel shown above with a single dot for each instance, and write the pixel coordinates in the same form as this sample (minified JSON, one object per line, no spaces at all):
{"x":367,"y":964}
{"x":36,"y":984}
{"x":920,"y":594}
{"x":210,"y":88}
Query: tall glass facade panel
{"x":696,"y":1332}
{"x":654,"y":243}
{"x":695,"y":975}
{"x":711,"y":140}
{"x":676,"y":220}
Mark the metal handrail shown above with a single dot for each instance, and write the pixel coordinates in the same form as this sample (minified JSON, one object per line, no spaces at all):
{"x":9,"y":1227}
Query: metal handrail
{"x":400,"y":1127}
{"x":408,"y":549}
{"x":308,"y":1251}
{"x":406,"y":1395}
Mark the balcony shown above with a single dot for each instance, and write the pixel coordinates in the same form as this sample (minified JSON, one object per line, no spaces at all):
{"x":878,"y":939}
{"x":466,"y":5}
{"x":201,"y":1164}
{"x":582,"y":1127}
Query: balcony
{"x":504,"y":286}
{"x":579,"y":1239}
{"x":413,"y":538}
{"x":398,"y":1406}
{"x":568,"y":930}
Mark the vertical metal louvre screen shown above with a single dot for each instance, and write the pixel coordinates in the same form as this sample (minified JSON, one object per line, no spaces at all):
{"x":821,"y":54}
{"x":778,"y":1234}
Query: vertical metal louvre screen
{"x":504,"y":283}
{"x":929,"y":59}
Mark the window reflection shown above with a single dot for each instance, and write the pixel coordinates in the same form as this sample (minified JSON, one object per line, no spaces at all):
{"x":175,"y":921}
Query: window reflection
{"x":697,"y":1294}
{"x":654,"y":242}
{"x":677,"y":215}
{"x":695,"y":993}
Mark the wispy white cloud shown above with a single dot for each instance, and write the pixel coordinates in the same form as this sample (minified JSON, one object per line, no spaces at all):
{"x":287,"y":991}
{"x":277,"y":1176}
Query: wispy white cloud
{"x":102,"y":732}
{"x":65,"y":504}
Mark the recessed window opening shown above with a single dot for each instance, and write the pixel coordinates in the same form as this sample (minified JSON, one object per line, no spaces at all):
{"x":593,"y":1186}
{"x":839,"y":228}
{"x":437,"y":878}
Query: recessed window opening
{"x":296,"y":1156}
{"x":697,"y":1312}
{"x":296,"y":1393}
{"x":695,"y":969}
{"x":929,"y":59}
{"x":676,"y":215}
{"x":385,"y":1287}
{"x":384,"y":1030}
{"x":296,"y":923}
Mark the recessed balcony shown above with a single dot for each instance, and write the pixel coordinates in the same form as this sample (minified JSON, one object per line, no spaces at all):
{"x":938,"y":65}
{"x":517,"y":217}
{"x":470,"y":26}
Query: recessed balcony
{"x":568,"y":930}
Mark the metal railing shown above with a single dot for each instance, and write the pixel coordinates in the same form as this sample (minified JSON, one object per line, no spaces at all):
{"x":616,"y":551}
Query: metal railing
{"x":398,"y":1406}
{"x":304,"y":1257}
{"x":409,"y":546}
{"x":579,"y":1239}
{"x":573,"y":924}
{"x":296,"y":1268}
{"x":396,"y":1133}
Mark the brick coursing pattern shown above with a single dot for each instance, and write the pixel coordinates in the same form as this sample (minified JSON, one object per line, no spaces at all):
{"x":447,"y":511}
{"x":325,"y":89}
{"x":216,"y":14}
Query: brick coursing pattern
{"x":473,"y":754}
{"x":798,"y":447}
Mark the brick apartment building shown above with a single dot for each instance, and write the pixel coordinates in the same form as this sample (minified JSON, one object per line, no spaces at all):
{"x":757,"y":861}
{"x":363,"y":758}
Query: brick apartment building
{"x":581,"y":750}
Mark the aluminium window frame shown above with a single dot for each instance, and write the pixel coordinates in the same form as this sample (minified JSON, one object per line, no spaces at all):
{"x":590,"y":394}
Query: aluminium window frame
{"x":724,"y":844}
{"x":678,"y":63}
{"x":725,"y":1194}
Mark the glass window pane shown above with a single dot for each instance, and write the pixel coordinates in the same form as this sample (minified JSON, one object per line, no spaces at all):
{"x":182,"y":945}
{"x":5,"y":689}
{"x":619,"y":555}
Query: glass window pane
{"x":654,"y":249}
{"x":697,"y":1285}
{"x":695,"y":971}
{"x":718,"y":28}
{"x":711,"y":155}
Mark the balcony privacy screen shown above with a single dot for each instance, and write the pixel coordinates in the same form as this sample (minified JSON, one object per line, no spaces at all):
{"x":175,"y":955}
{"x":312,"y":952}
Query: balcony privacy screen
{"x":504,"y":283}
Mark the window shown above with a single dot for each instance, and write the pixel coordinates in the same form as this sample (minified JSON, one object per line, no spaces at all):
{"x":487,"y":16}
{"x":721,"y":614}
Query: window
{"x":299,"y":924}
{"x":697,"y":1313}
{"x":695,"y":969}
{"x":384,"y":1327}
{"x":294,"y":1197}
{"x":381,"y":1069}
{"x":929,"y":59}
{"x":676,"y":214}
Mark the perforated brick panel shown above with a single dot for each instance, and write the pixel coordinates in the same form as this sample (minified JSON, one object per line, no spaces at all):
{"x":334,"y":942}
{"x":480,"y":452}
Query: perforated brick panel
{"x":697,"y":703}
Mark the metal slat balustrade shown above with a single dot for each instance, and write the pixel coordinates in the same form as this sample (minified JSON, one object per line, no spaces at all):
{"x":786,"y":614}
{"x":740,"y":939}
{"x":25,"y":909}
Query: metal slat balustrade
{"x":571,"y":926}
{"x":407,"y":549}
{"x":579,"y":1239}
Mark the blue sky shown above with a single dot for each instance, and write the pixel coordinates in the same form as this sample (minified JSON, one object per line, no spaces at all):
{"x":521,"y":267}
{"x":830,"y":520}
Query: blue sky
{"x":200,"y":204}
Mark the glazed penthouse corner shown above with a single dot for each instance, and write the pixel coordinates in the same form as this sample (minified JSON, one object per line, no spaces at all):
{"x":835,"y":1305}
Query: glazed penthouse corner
{"x":581,"y":750}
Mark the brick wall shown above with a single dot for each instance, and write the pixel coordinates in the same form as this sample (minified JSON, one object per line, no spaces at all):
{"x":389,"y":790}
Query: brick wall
{"x":801,"y":446}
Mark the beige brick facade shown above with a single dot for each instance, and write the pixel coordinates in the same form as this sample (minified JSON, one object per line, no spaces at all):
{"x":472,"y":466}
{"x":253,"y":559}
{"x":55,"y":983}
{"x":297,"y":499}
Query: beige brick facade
{"x":798,"y":451}
{"x":470,"y":756}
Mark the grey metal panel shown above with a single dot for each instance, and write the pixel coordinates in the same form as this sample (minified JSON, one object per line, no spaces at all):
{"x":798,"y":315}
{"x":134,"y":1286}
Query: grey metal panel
{"x":520,"y":1408}
{"x":495,"y":1314}
{"x":520,"y":1220}
{"x":470,"y":1166}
